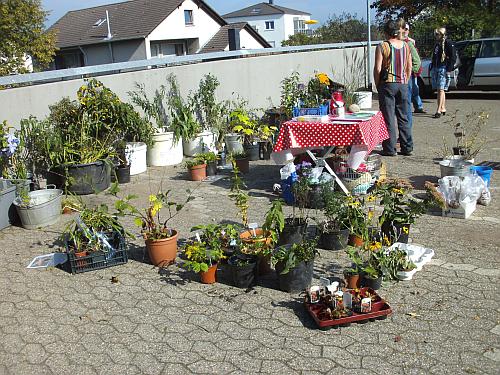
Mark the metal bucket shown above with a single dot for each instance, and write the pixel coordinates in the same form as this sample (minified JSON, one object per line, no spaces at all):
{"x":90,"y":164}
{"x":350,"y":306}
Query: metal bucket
{"x":454,"y":167}
{"x":43,"y":209}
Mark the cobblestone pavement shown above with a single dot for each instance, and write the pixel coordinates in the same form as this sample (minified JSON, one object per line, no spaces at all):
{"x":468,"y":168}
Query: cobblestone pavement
{"x":445,"y":320}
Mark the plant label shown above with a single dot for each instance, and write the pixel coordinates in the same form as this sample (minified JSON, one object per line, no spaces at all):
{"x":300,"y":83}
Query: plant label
{"x":347,"y":300}
{"x":198,"y":237}
{"x":366,"y":305}
{"x":314,"y":293}
{"x":253,"y":227}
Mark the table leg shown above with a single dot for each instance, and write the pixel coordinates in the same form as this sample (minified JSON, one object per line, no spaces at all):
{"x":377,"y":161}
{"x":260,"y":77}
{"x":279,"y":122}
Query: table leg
{"x":330,"y":170}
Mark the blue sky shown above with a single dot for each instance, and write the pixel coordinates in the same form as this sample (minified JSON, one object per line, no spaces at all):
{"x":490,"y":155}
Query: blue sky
{"x":319,"y":9}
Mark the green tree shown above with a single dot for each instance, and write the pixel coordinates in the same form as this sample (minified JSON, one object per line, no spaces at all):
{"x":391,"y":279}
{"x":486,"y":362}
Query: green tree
{"x":22,"y":33}
{"x":337,"y":29}
{"x":462,"y":18}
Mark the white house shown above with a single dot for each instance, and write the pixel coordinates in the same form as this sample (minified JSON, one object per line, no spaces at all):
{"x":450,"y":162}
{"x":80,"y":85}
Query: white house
{"x":142,"y":29}
{"x":275,"y":23}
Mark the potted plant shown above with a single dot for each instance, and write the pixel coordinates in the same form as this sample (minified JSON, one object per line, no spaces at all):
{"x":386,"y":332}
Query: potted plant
{"x":243,"y":268}
{"x":210,"y":159}
{"x":335,"y":228}
{"x":227,"y":234}
{"x":173,"y":118}
{"x":241,"y":161}
{"x":397,"y":265}
{"x":95,"y":239}
{"x":203,"y":258}
{"x":211,"y":114}
{"x":160,"y":238}
{"x":294,"y":265}
{"x":352,"y":274}
{"x":400,"y":209}
{"x":250,"y":127}
{"x":197,"y":168}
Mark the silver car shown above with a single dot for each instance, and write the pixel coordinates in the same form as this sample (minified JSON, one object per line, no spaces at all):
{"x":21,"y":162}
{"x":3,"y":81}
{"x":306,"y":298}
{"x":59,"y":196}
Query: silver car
{"x":479,"y":67}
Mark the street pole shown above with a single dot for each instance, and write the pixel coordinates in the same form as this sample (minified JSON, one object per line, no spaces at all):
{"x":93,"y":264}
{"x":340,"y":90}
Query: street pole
{"x":369,"y":44}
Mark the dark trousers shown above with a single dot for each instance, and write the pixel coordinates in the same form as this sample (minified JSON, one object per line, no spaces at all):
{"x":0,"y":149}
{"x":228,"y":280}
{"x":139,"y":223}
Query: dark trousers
{"x":393,"y":101}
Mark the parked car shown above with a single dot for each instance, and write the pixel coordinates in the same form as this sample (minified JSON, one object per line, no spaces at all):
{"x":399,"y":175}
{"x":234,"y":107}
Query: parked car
{"x":479,"y":67}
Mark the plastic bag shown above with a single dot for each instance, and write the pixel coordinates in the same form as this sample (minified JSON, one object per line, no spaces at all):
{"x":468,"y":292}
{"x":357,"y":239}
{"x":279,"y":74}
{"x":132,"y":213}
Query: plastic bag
{"x":287,"y":170}
{"x":460,"y":191}
{"x":315,"y":174}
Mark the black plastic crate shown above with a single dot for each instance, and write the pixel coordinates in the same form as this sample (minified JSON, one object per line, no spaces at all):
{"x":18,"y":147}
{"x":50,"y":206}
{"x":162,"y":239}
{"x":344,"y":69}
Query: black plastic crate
{"x":98,"y":260}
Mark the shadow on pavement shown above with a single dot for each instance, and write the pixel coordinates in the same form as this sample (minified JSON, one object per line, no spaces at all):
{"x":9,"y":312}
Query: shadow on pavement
{"x":297,"y":306}
{"x":419,"y":181}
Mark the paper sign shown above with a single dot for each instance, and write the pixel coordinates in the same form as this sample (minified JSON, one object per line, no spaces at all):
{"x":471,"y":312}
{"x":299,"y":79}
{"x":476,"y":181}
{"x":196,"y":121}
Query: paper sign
{"x":48,"y":260}
{"x":347,"y":300}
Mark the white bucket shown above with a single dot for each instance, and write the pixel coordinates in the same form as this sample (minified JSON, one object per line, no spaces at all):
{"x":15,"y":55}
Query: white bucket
{"x":204,"y":142}
{"x":164,"y":151}
{"x":364,"y":99}
{"x":135,"y":152}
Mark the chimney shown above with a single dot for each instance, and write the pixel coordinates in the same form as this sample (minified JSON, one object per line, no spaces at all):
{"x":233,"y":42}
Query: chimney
{"x":234,"y":39}
{"x":271,"y":2}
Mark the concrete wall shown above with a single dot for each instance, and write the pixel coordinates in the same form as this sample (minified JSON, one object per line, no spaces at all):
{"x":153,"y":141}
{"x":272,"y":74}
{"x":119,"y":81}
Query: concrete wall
{"x":254,"y":78}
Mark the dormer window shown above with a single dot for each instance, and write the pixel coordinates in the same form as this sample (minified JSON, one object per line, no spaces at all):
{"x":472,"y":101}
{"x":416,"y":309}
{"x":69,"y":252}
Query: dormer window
{"x":188,"y":17}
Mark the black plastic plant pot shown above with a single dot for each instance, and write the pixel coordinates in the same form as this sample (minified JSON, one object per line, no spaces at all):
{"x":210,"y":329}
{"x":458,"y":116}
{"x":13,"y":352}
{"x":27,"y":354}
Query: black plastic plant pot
{"x":265,"y":150}
{"x":297,"y":279}
{"x":243,"y":276}
{"x":84,"y":179}
{"x":396,"y":232}
{"x":368,"y":282}
{"x":211,"y":168}
{"x":252,"y":151}
{"x":315,"y":198}
{"x":123,"y":174}
{"x":294,"y":231}
{"x":335,"y":240}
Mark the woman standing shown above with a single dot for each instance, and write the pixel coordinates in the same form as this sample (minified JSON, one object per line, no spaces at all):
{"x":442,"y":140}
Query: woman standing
{"x":443,"y":63}
{"x":391,"y":73}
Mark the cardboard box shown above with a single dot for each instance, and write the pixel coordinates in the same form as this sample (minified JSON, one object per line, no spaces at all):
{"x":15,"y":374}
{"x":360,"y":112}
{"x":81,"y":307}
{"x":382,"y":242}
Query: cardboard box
{"x":463,"y":212}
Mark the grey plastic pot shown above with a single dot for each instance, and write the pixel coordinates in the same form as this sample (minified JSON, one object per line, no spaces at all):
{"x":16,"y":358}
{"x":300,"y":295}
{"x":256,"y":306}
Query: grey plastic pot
{"x":43,"y":209}
{"x":9,"y":190}
{"x":233,"y":143}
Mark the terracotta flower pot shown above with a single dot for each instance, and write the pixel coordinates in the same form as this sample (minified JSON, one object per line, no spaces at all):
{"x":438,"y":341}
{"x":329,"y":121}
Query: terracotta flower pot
{"x":198,"y":172}
{"x":163,"y":252}
{"x":353,"y":281}
{"x":249,"y":238}
{"x":355,"y":240}
{"x":208,"y":277}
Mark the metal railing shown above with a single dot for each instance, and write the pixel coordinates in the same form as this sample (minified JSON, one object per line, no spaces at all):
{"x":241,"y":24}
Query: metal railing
{"x":157,"y":62}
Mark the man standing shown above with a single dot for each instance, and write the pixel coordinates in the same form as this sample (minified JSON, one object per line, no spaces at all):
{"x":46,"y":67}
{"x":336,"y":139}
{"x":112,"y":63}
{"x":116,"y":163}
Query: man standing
{"x":416,"y":70}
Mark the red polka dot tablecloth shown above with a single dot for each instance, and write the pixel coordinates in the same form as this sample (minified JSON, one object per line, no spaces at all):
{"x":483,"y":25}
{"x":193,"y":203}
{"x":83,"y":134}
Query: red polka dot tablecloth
{"x":317,"y":134}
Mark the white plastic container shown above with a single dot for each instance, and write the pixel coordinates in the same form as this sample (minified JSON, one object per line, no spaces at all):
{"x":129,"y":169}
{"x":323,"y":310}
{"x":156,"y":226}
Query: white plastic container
{"x":204,"y":142}
{"x":135,"y":152}
{"x":164,"y":152}
{"x":364,"y":99}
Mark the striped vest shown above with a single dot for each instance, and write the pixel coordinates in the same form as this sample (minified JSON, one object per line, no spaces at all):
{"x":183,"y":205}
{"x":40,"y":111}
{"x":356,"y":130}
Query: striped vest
{"x":396,"y":61}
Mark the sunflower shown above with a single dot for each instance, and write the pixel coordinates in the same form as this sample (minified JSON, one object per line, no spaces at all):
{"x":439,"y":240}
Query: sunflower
{"x":323,"y":78}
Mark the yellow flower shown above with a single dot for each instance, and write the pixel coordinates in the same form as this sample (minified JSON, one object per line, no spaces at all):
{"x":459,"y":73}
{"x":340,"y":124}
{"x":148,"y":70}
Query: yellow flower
{"x":387,"y":241}
{"x":406,"y":230}
{"x":374,"y":246}
{"x":370,"y":198}
{"x":323,"y":78}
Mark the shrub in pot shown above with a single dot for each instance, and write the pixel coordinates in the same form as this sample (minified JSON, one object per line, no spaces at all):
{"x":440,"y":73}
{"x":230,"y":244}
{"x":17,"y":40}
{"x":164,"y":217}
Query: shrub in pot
{"x":197,"y":169}
{"x":335,"y":228}
{"x":226,"y":234}
{"x":203,"y":258}
{"x":294,"y":265}
{"x":250,"y":126}
{"x":160,"y":238}
{"x":400,"y":209}
{"x":398,"y":266}
{"x":295,"y":226}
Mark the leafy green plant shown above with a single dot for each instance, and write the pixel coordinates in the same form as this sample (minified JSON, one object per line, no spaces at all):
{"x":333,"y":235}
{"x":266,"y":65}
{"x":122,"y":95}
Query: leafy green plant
{"x":224,"y":233}
{"x":239,"y":195}
{"x":356,"y":261}
{"x":194,"y":162}
{"x":237,"y":155}
{"x":274,"y":221}
{"x":200,"y":255}
{"x":291,"y":93}
{"x":154,"y":226}
{"x":396,"y":260}
{"x":92,"y":225}
{"x":208,"y":157}
{"x":292,"y":255}
{"x":249,"y":125}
